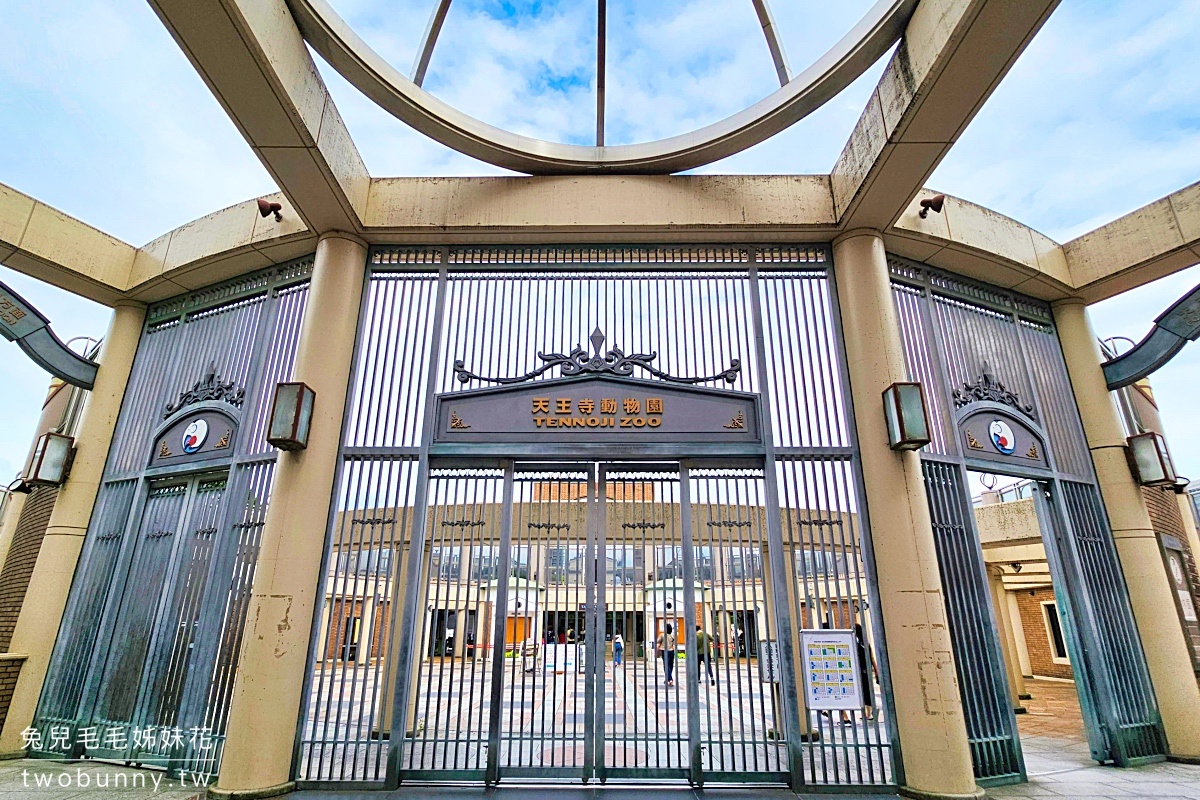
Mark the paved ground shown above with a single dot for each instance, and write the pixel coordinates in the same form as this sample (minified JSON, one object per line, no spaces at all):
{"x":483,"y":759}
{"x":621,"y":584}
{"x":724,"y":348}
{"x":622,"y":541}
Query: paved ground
{"x":542,"y":723}
{"x":1052,"y":712}
{"x":1052,"y":736}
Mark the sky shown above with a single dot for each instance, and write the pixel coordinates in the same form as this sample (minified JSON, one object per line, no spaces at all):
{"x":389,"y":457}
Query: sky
{"x":102,"y":117}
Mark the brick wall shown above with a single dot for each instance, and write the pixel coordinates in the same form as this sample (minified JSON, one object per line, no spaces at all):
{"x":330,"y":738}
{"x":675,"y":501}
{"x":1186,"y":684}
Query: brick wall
{"x":22,"y":553}
{"x":1037,"y":638}
{"x":9,"y":669}
{"x":1166,"y":519}
{"x":335,"y":636}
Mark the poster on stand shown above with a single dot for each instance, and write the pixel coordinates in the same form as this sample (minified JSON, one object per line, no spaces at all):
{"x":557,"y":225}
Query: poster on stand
{"x":831,"y":674}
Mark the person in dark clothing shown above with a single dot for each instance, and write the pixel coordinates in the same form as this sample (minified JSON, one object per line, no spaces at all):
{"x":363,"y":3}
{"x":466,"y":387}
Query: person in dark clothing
{"x":865,"y":664}
{"x":704,"y":648}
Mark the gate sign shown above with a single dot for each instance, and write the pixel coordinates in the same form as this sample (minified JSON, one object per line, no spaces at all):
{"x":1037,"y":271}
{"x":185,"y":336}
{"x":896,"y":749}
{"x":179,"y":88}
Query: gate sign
{"x":203,"y":435}
{"x":598,"y":410}
{"x":831,"y":674}
{"x":990,"y":433}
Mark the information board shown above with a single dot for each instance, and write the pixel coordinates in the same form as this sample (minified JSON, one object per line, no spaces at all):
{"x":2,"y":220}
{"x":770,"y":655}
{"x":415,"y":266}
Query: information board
{"x":768,"y":661}
{"x":831,"y":674}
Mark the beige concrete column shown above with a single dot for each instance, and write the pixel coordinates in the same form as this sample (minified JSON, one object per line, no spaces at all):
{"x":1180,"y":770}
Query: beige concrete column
{"x":46,"y":597}
{"x":1145,"y":574}
{"x":266,"y":700}
{"x":1016,"y":681}
{"x":929,"y":715}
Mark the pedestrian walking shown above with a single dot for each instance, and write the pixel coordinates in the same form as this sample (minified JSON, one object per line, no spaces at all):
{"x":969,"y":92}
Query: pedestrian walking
{"x":704,"y":646}
{"x":866,"y":670}
{"x":667,"y":644}
{"x":618,"y":649}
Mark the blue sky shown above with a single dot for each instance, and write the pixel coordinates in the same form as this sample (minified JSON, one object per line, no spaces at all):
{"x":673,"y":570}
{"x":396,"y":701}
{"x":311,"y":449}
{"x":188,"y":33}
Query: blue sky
{"x":102,"y":117}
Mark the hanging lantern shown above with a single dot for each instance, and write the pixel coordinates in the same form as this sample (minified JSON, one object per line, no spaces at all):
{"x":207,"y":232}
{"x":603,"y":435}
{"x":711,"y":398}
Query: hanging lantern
{"x":907,"y":418}
{"x":51,"y":460}
{"x":1150,"y":461}
{"x":291,"y":416}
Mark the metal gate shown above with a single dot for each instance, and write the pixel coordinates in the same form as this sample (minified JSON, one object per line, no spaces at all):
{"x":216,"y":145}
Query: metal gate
{"x":144,"y":662}
{"x":440,"y":322}
{"x":978,"y":662}
{"x":595,"y":621}
{"x":153,"y":624}
{"x":980,"y":347}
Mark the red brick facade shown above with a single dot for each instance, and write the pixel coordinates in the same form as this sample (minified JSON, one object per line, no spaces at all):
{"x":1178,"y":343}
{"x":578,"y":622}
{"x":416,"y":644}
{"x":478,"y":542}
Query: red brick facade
{"x":14,"y":580}
{"x":1037,"y":638}
{"x":336,"y":633}
{"x":1167,"y":520}
{"x":22,"y":553}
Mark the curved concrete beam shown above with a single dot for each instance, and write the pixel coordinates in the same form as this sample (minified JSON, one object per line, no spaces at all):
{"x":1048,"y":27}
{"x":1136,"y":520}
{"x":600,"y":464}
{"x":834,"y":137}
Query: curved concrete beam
{"x":330,"y":36}
{"x":979,"y":243}
{"x":221,"y":245}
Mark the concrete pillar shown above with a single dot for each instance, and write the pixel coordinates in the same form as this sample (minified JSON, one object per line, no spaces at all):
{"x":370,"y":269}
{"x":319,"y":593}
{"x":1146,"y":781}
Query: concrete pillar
{"x":929,"y":714}
{"x":266,"y":701}
{"x":46,"y":597}
{"x":1004,"y":625}
{"x":1146,"y":576}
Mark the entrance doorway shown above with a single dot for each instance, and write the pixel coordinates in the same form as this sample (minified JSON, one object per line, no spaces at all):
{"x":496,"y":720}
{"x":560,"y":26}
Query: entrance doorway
{"x":1036,"y":633}
{"x":618,"y":627}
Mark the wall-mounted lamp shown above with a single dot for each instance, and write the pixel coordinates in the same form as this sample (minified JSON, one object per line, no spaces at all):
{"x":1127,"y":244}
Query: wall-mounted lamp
{"x":907,"y":419}
{"x":51,"y":460}
{"x":1150,"y":461}
{"x":266,"y":208}
{"x":933,"y":204}
{"x":1016,"y":567}
{"x":291,"y":416}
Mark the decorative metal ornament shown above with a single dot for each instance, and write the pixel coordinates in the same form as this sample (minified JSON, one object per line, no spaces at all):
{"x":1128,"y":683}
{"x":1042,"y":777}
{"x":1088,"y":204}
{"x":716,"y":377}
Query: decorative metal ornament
{"x":209,"y":387}
{"x":614,"y":362}
{"x":987,"y":388}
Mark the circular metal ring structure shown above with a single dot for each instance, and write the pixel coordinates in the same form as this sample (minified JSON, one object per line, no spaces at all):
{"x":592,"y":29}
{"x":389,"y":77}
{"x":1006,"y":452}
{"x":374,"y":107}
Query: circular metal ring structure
{"x":358,"y":63}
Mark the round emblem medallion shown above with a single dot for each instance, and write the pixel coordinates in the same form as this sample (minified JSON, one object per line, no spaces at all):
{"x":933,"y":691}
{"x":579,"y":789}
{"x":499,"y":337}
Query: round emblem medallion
{"x":1002,"y":437}
{"x":194,"y":436}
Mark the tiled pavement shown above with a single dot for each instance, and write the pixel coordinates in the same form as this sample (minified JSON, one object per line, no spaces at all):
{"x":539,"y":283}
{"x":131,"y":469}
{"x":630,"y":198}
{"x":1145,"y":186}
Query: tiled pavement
{"x":1059,"y":764}
{"x":1052,"y":736}
{"x":1075,"y":779}
{"x":1053,"y":711}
